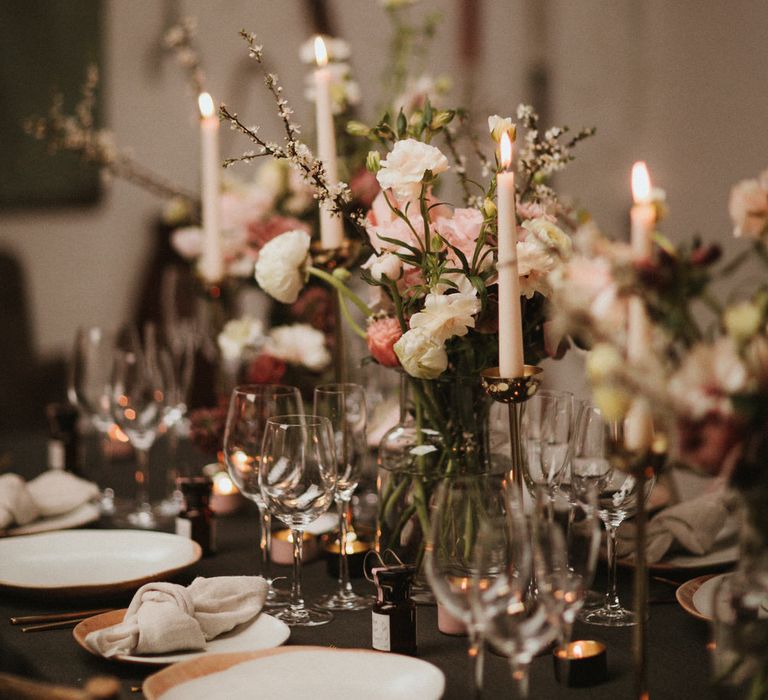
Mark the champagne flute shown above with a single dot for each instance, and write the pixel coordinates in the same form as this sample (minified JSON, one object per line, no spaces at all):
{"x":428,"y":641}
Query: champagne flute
{"x":601,"y":460}
{"x":139,"y":402}
{"x":297,"y":475}
{"x":462,"y":506}
{"x":250,"y":406}
{"x":344,"y":405}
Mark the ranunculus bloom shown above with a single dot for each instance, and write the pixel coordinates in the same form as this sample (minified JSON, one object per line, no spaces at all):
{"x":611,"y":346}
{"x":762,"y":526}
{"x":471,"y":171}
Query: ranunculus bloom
{"x":263,"y":231}
{"x":242,"y":204}
{"x":446,"y":315}
{"x":382,"y":335}
{"x":420,"y":355}
{"x":279,"y":269}
{"x":403,"y":169}
{"x":239,"y":334}
{"x":299,"y":344}
{"x":315,"y":307}
{"x":748,"y":207}
{"x":266,"y":369}
{"x":385,"y":264}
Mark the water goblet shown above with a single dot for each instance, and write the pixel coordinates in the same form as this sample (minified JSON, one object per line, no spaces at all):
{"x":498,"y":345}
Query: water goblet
{"x":250,"y":406}
{"x":297,"y":475}
{"x":344,"y":405}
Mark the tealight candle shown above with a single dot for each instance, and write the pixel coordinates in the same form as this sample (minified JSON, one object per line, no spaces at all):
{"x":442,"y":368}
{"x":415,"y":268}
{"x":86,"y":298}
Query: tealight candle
{"x":281,"y":550}
{"x":450,"y":624}
{"x":581,"y":663}
{"x":225,"y":498}
{"x":356,"y":552}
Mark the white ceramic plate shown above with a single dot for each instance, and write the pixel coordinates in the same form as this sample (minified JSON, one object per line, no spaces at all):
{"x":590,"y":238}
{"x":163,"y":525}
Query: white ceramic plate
{"x":263,"y":632}
{"x":296,"y":673}
{"x":76,"y":563}
{"x":82,"y":515}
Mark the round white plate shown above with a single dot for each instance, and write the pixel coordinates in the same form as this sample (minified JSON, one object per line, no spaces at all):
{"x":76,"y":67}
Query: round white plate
{"x":294,"y":673}
{"x":704,"y":598}
{"x":263,"y":632}
{"x":76,"y":563}
{"x":82,"y":515}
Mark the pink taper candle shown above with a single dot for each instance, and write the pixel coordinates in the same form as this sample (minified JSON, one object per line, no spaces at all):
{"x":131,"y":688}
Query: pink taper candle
{"x":331,"y":226}
{"x":510,"y":321}
{"x":211,"y":260}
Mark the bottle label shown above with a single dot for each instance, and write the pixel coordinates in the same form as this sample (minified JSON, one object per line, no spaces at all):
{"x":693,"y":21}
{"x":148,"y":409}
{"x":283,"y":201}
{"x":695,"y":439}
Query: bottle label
{"x":184,"y":527}
{"x":380,"y":627}
{"x":57,"y":454}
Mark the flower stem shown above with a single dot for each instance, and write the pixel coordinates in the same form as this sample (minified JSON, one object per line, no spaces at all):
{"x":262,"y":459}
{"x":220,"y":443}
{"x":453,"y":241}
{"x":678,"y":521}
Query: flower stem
{"x":341,"y":288}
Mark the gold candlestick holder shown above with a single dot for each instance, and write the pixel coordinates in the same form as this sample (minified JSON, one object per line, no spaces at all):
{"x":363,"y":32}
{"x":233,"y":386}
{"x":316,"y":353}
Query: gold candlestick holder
{"x":513,"y":391}
{"x":330,"y":260}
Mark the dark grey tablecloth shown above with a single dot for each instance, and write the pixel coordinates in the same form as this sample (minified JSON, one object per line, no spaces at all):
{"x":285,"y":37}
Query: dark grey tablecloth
{"x":679,"y":666}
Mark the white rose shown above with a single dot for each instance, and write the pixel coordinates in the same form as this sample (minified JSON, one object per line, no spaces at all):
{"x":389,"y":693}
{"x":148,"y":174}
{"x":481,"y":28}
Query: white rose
{"x":188,"y":242}
{"x":403,"y":169}
{"x":748,"y":207}
{"x":498,"y":126}
{"x":549,"y":236}
{"x":280,"y":267}
{"x":420,"y":355}
{"x":446,"y":315}
{"x":386,"y":264}
{"x":239,"y":334}
{"x":299,"y":344}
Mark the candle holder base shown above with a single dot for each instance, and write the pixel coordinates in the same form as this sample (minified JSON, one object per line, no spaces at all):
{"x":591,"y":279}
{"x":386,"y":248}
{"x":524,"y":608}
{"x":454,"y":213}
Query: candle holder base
{"x":343,"y":257}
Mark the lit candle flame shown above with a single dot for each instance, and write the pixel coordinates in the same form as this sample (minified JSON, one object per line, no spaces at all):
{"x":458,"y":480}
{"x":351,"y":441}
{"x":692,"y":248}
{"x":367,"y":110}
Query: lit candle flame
{"x":205,"y":102}
{"x":321,"y":54}
{"x":223,"y":485}
{"x":641,"y":183}
{"x":505,"y":148}
{"x":578,"y":652}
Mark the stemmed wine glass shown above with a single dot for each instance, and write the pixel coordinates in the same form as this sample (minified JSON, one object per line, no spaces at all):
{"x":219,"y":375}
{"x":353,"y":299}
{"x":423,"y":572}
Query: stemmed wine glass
{"x":600,"y":459}
{"x":344,"y":405}
{"x":250,"y":406}
{"x":139,"y":401}
{"x":297,"y":475}
{"x":463,"y":505}
{"x":547,"y":428}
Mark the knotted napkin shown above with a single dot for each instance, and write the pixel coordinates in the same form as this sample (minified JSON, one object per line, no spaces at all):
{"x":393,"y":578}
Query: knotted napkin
{"x":165,"y":617}
{"x":54,"y":492}
{"x":692,"y":526}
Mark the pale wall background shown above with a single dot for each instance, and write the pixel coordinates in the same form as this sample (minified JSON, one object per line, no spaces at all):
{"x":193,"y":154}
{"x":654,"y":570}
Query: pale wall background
{"x":680,"y":84}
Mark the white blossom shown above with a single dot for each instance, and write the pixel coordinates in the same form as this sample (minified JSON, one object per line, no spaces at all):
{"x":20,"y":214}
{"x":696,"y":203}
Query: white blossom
{"x":239,"y":335}
{"x":299,"y":344}
{"x":280,"y":267}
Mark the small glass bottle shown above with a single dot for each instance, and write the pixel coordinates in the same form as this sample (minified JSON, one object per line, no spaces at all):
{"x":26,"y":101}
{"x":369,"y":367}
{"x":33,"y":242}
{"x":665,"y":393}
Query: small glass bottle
{"x":196,"y":520}
{"x":393,"y":617}
{"x":63,"y":438}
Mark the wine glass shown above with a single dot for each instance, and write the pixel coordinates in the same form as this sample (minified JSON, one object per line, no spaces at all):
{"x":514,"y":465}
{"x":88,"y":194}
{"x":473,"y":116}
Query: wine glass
{"x":462,"y":506}
{"x":249,"y":407}
{"x":344,"y":405}
{"x":546,"y":428}
{"x":297,"y":475}
{"x":139,"y":402}
{"x":88,"y":387}
{"x":517,"y":624}
{"x":600,"y":459}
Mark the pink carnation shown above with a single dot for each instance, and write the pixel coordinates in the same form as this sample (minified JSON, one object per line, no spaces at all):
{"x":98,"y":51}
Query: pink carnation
{"x":461,"y":230}
{"x":383,"y":333}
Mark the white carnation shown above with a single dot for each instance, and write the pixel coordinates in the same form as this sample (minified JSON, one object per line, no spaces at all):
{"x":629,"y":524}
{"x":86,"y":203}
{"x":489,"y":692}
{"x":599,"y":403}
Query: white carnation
{"x":420,"y":355}
{"x":299,"y":344}
{"x":403,"y":169}
{"x":280,"y":267}
{"x":446,"y":315}
{"x":239,"y":334}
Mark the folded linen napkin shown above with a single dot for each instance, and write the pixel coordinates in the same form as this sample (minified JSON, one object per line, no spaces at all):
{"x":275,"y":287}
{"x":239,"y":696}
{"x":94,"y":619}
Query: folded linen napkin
{"x":165,"y":617}
{"x":54,"y":492}
{"x":692,"y":525}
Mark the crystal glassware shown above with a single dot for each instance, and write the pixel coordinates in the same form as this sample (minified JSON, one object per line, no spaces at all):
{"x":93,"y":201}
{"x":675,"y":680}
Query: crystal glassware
{"x":250,"y":406}
{"x":344,"y":405}
{"x":297,"y":475}
{"x":463,"y":507}
{"x":600,"y":461}
{"x":139,"y":401}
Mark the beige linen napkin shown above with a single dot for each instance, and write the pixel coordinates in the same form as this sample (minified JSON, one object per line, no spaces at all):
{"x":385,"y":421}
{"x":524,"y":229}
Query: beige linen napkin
{"x":56,"y":492}
{"x":165,"y":617}
{"x":16,"y":504}
{"x":692,"y":526}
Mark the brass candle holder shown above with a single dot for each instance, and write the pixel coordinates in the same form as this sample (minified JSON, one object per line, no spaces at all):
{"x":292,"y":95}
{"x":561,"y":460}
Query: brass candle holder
{"x":513,"y":391}
{"x":329,"y":260}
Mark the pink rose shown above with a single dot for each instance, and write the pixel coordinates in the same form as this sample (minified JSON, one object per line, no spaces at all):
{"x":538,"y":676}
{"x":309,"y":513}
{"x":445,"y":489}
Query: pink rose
{"x":262,"y":231}
{"x":383,"y":333}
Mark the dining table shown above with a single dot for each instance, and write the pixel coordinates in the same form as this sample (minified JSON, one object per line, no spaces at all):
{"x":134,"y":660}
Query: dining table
{"x":679,"y":666}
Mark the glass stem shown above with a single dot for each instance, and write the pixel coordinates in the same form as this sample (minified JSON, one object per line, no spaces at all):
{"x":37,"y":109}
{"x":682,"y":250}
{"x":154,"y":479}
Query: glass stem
{"x":612,"y":594}
{"x":142,"y":479}
{"x":265,"y":543}
{"x":520,"y":677}
{"x":297,"y":603}
{"x":345,"y":587}
{"x":477,"y":654}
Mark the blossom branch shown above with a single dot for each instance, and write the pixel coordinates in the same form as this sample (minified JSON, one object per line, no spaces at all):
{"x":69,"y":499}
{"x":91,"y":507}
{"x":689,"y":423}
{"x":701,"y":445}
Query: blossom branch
{"x":180,"y":39}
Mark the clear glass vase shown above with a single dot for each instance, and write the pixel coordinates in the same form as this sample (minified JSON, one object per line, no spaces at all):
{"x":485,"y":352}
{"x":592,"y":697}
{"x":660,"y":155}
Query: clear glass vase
{"x":442,"y":431}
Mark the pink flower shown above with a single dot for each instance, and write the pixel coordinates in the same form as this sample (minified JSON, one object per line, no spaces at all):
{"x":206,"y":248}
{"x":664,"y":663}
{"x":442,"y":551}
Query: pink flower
{"x":239,"y":207}
{"x":383,"y":333}
{"x":266,"y":369}
{"x":461,"y":230}
{"x":365,"y":187}
{"x":262,"y":231}
{"x":711,"y":444}
{"x":382,"y":222}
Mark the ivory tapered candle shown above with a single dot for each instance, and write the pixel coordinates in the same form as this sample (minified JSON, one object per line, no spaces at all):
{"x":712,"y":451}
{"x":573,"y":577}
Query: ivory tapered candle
{"x":331,"y":226}
{"x":211,"y":260}
{"x":638,"y":427}
{"x":510,"y":320}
